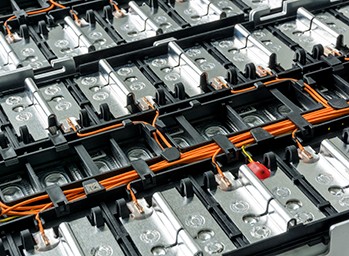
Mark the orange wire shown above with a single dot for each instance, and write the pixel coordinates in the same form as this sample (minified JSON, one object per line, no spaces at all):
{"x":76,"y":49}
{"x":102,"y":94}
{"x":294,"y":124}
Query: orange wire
{"x":57,"y":4}
{"x":8,"y":30}
{"x":82,"y":135}
{"x":116,"y":7}
{"x":132,"y":194}
{"x":205,"y":152}
{"x":219,"y":170}
{"x":76,"y":17}
{"x":243,"y":90}
{"x":300,"y":146}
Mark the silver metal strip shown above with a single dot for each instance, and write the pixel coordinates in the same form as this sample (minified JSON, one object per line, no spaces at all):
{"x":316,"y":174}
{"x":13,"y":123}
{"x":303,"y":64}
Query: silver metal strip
{"x":186,"y":66}
{"x":76,"y":238}
{"x":128,"y":80}
{"x":157,"y":232}
{"x":328,"y":172}
{"x":195,"y":218}
{"x":97,"y":35}
{"x":251,"y":206}
{"x":277,"y":9}
{"x":34,"y":106}
{"x":113,"y":86}
{"x":9,"y":59}
{"x":61,"y":103}
{"x":21,"y":52}
{"x":263,"y":4}
{"x":197,"y":12}
{"x":344,"y":10}
{"x":292,"y":199}
{"x":243,"y":48}
{"x":75,"y":33}
{"x":275,"y":45}
{"x":36,"y":97}
{"x":308,"y":30}
{"x":21,"y":110}
{"x":89,"y":239}
{"x":141,"y":22}
{"x":335,"y":25}
{"x":75,"y":40}
{"x":338,"y":236}
{"x":64,"y":43}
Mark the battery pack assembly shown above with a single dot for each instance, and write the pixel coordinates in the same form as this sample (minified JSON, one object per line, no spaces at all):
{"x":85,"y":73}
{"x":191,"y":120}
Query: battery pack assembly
{"x":174,"y":127}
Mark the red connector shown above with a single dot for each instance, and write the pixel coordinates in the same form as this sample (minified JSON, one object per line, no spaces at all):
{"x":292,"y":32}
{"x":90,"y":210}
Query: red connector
{"x":259,"y":170}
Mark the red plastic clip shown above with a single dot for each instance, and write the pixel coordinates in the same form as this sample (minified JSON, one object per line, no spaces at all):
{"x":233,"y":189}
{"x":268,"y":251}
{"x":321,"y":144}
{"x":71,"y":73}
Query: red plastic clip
{"x":259,"y":170}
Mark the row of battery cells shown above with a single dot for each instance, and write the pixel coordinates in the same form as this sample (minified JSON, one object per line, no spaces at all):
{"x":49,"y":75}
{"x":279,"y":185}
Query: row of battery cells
{"x":72,"y":38}
{"x":39,"y":108}
{"x":36,"y":105}
{"x":327,"y":171}
{"x":260,"y":47}
{"x":201,"y":123}
{"x":69,"y":39}
{"x":260,"y":209}
{"x":142,"y":21}
{"x":86,"y":161}
{"x":116,"y":87}
{"x":177,"y":222}
{"x":323,"y":28}
{"x":266,"y":50}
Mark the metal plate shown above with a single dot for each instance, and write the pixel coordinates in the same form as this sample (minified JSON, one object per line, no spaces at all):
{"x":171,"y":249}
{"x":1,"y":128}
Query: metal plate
{"x":197,"y":12}
{"x":293,"y":200}
{"x":243,"y":49}
{"x":21,"y":110}
{"x":21,"y":52}
{"x":195,"y":218}
{"x":77,"y":238}
{"x":328,"y":172}
{"x":307,"y":30}
{"x":61,"y":102}
{"x":156,"y":233}
{"x":263,"y":4}
{"x":251,"y":206}
{"x":113,"y":86}
{"x":275,"y":45}
{"x":97,"y":90}
{"x":186,"y":66}
{"x":141,"y":22}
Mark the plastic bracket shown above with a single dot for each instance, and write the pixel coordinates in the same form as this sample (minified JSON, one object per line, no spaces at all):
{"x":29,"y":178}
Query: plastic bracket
{"x":260,"y":135}
{"x":60,"y":202}
{"x":230,"y":151}
{"x":303,"y":125}
{"x":147,"y":176}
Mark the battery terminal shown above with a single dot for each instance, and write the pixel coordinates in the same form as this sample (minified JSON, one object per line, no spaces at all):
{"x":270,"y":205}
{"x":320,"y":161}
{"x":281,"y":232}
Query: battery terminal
{"x":119,"y":13}
{"x":138,"y":207}
{"x":331,"y":51}
{"x":223,"y":180}
{"x":145,"y":103}
{"x":73,"y":123}
{"x":219,"y":83}
{"x":76,"y":17}
{"x":303,"y":153}
{"x":13,"y":37}
{"x":263,"y":72}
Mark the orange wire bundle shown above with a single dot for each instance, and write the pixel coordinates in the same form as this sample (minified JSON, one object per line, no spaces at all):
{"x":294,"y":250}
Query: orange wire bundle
{"x":36,"y":205}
